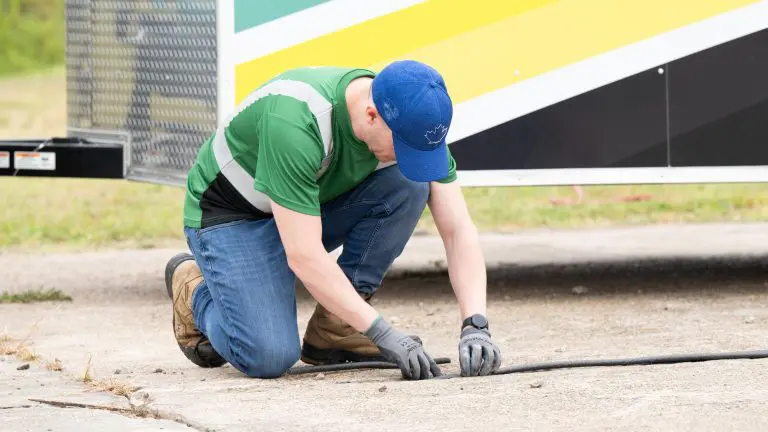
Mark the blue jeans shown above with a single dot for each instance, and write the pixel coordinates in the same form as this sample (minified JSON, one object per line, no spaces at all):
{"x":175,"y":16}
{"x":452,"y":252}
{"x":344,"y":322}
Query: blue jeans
{"x":246,"y":305}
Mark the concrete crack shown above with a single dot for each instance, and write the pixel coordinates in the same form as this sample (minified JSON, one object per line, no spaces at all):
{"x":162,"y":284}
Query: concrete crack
{"x":135,"y":411}
{"x":147,"y":411}
{"x":141,"y":408}
{"x":15,"y":406}
{"x":60,"y":404}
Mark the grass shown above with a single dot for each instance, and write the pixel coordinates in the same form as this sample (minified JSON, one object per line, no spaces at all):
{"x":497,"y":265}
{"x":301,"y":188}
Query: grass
{"x":38,"y":213}
{"x":516,"y":208}
{"x":34,"y":296}
{"x":31,"y":35}
{"x":77,"y":213}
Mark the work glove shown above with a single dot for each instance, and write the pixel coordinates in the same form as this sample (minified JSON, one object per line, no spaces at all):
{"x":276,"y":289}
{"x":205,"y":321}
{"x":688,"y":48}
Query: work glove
{"x":478,"y":355}
{"x":409,"y":355}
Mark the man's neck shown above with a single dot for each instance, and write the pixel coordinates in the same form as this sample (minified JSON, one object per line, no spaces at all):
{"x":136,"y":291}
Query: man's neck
{"x":357,"y":95}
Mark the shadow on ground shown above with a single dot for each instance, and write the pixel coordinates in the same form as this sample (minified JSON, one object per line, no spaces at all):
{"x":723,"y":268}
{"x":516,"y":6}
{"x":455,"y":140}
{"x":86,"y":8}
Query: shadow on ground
{"x":620,"y":278}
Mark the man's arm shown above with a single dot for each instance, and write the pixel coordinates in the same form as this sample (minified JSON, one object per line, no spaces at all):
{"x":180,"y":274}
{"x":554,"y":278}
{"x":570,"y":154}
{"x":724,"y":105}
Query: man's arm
{"x":478,"y":355}
{"x":301,"y":236}
{"x":466,"y":265}
{"x":286,"y":171}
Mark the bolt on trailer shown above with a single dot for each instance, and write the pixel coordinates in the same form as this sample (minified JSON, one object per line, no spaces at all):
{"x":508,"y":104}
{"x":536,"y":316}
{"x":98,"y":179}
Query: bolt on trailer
{"x":546,"y":92}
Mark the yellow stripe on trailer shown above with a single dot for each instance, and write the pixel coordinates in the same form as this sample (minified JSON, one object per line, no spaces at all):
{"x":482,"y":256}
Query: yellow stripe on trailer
{"x":387,"y":37}
{"x":554,"y":36}
{"x":482,"y":46}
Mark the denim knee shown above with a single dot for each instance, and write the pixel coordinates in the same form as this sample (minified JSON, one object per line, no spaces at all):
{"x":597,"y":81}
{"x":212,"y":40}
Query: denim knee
{"x":415,"y":196}
{"x":406,"y":194}
{"x":418,"y":194}
{"x":270,"y":361}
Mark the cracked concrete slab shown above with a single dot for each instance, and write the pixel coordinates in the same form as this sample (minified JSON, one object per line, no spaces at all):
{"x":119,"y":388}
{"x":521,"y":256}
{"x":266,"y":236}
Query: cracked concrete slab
{"x":120,"y":322}
{"x":45,"y":419}
{"x":21,"y":411}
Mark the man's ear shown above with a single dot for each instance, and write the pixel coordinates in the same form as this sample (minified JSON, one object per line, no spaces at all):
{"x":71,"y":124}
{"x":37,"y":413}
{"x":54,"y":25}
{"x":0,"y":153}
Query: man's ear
{"x":371,"y":115}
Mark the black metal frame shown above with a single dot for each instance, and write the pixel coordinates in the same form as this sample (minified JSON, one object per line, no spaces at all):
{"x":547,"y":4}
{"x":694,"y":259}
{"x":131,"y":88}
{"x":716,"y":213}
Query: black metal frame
{"x":74,"y":157}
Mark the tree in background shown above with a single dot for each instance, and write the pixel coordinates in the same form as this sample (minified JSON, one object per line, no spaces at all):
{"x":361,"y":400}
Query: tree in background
{"x":32,"y":35}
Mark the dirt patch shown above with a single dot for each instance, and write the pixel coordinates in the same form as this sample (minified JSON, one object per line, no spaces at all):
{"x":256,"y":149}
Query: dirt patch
{"x":34,"y":106}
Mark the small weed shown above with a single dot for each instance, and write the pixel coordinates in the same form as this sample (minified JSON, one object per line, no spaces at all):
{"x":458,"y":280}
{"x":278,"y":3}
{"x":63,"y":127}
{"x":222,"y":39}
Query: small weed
{"x":7,"y":347}
{"x":32,"y":296}
{"x":25,"y":354}
{"x":108,"y":385}
{"x":114,"y":386}
{"x":54,"y":365}
{"x":11,"y":346}
{"x":20,"y":349}
{"x":87,"y":373}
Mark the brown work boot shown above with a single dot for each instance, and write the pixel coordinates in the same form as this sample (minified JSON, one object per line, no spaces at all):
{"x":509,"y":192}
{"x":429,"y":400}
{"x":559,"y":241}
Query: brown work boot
{"x":329,"y":340}
{"x":182,"y":276}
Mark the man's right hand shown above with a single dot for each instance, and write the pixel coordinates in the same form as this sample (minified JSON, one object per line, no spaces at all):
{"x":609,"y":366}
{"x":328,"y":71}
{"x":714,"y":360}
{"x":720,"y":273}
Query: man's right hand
{"x":408,"y":354}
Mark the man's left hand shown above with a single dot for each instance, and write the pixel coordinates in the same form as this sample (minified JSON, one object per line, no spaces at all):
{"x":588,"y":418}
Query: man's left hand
{"x":478,"y":355}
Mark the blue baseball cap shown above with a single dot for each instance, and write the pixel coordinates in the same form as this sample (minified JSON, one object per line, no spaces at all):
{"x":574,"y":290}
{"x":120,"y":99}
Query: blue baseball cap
{"x":413,"y":101}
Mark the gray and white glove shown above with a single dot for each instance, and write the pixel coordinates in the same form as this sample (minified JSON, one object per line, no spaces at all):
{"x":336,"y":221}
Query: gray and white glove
{"x":478,"y":355}
{"x":398,"y":348}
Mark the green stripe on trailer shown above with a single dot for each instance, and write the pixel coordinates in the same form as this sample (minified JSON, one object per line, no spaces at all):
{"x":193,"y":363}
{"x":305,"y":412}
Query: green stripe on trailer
{"x":250,"y":13}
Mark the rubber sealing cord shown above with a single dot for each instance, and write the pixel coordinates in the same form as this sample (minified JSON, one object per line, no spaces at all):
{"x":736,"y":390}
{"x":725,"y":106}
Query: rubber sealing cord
{"x":632,"y":361}
{"x":546,"y":366}
{"x":352,"y":366}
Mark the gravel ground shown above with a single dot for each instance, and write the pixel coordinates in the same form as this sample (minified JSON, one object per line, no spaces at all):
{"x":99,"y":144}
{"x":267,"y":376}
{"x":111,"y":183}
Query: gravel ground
{"x":118,"y":328}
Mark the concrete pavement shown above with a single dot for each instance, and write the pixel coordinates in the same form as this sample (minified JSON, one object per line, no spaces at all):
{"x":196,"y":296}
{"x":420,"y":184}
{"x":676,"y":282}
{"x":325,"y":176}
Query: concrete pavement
{"x":620,"y":245}
{"x":33,"y":398}
{"x":673,"y":246}
{"x":118,"y":326}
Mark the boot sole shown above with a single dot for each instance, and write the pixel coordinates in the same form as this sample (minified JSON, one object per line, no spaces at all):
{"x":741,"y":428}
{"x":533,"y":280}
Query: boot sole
{"x":324,"y":356}
{"x":211,"y":359}
{"x":310,"y":354}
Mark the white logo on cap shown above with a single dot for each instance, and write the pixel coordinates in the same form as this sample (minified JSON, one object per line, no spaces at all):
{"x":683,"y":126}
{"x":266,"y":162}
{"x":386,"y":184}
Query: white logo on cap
{"x":436,"y":135}
{"x":390,"y":110}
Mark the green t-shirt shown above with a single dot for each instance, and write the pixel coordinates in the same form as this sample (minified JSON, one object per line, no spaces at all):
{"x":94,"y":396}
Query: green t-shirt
{"x":290,"y":140}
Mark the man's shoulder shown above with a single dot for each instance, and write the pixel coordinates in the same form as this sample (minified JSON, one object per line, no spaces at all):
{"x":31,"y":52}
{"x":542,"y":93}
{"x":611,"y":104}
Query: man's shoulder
{"x":327,"y":81}
{"x":297,"y":97}
{"x":312,"y":74}
{"x":318,"y":85}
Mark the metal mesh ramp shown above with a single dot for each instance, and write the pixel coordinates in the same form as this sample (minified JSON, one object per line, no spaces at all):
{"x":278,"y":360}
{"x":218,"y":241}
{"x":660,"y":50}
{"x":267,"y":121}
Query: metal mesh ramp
{"x":148,"y":68}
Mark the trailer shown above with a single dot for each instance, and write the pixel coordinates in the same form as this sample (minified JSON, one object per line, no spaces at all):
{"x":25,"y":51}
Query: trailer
{"x":546,"y":92}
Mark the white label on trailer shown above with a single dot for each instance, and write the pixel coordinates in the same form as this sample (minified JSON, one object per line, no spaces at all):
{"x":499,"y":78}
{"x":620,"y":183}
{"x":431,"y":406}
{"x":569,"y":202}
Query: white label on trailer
{"x":34,"y":160}
{"x":5,"y":159}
